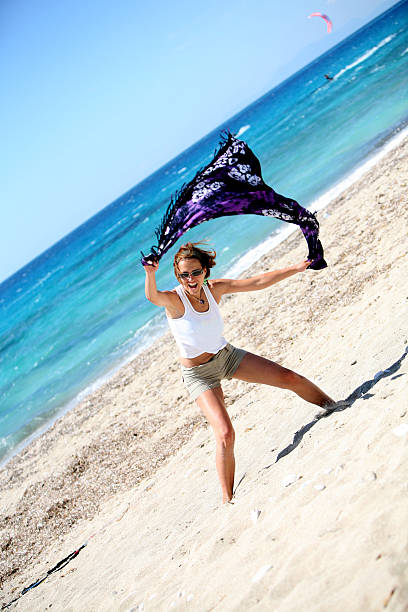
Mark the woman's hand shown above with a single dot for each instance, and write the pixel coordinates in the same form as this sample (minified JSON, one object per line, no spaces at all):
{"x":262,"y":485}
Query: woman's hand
{"x":152,"y":267}
{"x":302,"y":266}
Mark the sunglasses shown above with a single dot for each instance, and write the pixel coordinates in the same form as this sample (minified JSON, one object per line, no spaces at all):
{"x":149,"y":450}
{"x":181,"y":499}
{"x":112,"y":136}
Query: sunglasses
{"x":185,"y":275}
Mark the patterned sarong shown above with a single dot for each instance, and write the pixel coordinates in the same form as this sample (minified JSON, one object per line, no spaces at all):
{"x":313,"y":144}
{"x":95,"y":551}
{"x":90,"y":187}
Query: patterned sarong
{"x":232,"y":184}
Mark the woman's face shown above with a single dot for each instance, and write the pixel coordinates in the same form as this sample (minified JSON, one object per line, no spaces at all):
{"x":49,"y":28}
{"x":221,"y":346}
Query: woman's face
{"x":196,"y":274}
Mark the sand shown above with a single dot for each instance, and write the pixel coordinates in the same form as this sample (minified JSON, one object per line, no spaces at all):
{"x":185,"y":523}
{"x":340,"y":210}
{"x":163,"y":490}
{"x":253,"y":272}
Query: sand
{"x":320,"y":515}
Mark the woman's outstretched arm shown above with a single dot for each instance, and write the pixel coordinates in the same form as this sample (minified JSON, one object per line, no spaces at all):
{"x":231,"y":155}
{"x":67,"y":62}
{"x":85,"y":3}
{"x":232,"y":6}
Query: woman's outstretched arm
{"x":166,"y":299}
{"x":222,"y":286}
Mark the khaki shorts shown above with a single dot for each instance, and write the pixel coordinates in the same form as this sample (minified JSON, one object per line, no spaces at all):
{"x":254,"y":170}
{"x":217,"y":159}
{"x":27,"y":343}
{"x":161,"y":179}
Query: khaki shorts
{"x":209,"y":375}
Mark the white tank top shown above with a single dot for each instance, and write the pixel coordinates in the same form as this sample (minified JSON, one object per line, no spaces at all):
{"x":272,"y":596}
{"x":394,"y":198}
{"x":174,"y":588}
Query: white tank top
{"x":198,"y":332}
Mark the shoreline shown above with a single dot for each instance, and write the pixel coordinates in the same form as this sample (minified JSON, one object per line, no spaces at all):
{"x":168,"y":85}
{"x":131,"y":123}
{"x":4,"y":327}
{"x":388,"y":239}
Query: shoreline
{"x":237,"y":269}
{"x":130,"y":445}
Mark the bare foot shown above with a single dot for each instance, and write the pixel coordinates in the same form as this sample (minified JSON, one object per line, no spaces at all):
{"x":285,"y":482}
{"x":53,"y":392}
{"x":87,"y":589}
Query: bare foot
{"x":331,"y":407}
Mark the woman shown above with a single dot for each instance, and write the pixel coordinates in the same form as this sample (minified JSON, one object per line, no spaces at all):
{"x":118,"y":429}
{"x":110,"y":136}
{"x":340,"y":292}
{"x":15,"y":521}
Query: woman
{"x":206,"y":357}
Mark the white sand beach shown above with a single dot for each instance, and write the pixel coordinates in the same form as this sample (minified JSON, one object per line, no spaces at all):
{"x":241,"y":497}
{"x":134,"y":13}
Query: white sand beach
{"x":319,"y":521}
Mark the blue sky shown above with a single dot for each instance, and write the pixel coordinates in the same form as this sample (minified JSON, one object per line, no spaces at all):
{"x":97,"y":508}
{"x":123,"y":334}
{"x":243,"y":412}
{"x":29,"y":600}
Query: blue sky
{"x":97,"y":94}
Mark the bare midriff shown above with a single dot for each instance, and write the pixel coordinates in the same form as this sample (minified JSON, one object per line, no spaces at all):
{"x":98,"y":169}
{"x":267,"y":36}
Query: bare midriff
{"x":196,"y":361}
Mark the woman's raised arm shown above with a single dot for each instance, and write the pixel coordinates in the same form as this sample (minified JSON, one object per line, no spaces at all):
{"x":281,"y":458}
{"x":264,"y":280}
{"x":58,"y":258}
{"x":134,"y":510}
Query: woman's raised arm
{"x":158,"y":298}
{"x":223,"y":286}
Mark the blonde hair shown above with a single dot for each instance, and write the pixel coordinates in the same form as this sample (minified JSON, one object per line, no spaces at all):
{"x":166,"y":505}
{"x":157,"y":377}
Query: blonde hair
{"x":191,"y":250}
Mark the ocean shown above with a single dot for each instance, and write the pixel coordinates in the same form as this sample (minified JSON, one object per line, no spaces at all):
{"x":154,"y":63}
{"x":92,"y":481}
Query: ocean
{"x":75,"y":314}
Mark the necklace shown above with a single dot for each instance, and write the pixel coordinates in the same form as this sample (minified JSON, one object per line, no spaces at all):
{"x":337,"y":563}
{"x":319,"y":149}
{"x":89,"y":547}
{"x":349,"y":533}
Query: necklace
{"x":200,"y":300}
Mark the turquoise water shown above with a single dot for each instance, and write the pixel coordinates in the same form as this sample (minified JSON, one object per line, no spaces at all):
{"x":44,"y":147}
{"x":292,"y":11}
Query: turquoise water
{"x":77,"y":312}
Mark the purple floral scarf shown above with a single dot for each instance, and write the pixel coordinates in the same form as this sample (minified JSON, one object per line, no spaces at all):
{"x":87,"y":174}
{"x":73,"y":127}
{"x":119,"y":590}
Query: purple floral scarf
{"x":232,"y":184}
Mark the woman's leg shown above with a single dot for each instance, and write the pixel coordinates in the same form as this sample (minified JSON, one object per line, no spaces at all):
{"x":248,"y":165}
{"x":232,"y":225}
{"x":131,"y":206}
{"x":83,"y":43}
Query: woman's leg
{"x":260,"y":370}
{"x":211,"y":402}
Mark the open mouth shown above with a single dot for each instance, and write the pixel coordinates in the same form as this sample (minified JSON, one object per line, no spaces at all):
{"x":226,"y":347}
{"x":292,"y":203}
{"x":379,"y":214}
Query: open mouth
{"x":192,"y":286}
